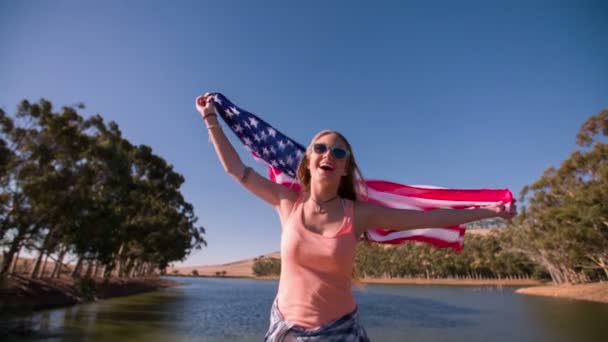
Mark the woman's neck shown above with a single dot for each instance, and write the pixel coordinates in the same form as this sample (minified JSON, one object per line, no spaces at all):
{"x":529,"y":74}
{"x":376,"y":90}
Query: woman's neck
{"x":322,"y":193}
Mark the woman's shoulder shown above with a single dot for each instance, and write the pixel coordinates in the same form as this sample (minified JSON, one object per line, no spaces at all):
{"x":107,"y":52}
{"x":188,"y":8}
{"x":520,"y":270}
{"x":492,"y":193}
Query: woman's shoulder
{"x":288,"y":202}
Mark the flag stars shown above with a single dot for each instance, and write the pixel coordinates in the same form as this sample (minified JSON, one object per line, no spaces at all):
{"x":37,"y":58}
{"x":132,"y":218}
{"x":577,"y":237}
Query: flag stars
{"x":299,"y":154}
{"x":253,"y":122}
{"x":265,"y":151}
{"x":290,"y":160}
{"x":234,"y":111}
{"x":272,"y":132}
{"x":237,"y":128}
{"x":247,"y":141}
{"x":282,"y":145}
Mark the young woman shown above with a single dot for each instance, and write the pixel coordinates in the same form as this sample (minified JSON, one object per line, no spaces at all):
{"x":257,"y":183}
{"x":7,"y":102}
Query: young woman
{"x":321,"y":226}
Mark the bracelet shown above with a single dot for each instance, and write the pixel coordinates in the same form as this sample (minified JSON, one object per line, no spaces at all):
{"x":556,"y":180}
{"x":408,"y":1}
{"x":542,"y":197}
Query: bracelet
{"x":212,"y":126}
{"x":208,"y":115}
{"x":245,"y":175}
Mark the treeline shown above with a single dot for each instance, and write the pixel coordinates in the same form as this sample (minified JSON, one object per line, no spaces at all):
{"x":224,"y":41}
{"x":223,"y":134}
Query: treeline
{"x":266,"y":266}
{"x":75,"y":188}
{"x":482,"y":257}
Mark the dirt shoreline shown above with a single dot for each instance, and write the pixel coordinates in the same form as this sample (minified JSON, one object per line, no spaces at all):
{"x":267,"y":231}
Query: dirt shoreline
{"x":595,"y":292}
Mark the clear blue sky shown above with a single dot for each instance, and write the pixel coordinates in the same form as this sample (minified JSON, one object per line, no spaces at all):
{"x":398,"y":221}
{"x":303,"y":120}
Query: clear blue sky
{"x":458,"y":95}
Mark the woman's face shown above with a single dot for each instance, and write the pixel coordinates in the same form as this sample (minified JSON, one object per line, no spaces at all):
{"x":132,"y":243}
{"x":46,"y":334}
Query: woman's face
{"x":323,"y":163}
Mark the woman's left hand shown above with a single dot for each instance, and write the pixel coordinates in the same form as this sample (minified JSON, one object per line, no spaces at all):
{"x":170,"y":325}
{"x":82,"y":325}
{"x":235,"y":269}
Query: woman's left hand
{"x":506,"y":211}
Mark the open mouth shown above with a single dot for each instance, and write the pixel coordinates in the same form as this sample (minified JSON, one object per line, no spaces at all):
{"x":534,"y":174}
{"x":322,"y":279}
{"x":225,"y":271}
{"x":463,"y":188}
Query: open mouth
{"x":326,"y":167}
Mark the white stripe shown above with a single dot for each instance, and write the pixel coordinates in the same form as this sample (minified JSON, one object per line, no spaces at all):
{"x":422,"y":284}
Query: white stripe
{"x":283,"y":178}
{"x":448,"y":235}
{"x":406,"y":202}
{"x":427,"y":186}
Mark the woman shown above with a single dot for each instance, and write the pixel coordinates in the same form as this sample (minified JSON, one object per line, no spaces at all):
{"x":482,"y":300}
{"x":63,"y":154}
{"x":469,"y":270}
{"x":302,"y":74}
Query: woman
{"x":320,"y":229}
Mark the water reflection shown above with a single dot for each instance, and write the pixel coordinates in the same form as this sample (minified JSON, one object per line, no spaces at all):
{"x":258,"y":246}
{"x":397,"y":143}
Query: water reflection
{"x":237,"y":310}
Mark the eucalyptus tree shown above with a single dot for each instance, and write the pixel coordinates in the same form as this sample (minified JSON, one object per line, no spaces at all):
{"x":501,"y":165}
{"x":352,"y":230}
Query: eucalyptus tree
{"x":564,"y":227}
{"x":75,"y":186}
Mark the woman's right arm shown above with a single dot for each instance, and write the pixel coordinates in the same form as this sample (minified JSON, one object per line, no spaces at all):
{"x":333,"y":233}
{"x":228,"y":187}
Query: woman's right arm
{"x":274,"y":194}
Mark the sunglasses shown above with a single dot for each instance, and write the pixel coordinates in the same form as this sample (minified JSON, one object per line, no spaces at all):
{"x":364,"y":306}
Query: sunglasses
{"x":336,"y":152}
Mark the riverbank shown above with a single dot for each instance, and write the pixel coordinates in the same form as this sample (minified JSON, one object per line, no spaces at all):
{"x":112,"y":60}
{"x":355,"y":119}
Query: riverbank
{"x":20,"y":294}
{"x":595,"y":292}
{"x":438,"y":281}
{"x":451,"y":281}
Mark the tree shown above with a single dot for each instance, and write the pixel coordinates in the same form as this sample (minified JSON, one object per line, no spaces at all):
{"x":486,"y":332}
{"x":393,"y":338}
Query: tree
{"x":564,"y":227}
{"x":75,"y":186}
{"x":265,"y":266}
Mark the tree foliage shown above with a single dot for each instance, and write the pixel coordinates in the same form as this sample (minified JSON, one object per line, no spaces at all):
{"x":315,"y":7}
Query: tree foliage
{"x":266,"y":266}
{"x":481,"y":257}
{"x":564,"y":226}
{"x":75,"y":186}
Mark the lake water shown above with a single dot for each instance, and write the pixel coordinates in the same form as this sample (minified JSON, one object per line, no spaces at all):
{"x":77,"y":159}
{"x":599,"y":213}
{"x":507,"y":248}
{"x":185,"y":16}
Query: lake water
{"x":237,"y":310}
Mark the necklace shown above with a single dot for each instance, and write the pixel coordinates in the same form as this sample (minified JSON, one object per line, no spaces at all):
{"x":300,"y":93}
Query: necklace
{"x":318,"y":205}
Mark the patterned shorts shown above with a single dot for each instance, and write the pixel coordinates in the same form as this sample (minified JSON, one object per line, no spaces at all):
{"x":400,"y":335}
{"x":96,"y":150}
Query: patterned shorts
{"x":344,"y":329}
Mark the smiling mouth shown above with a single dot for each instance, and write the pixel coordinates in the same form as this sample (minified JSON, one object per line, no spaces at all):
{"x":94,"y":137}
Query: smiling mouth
{"x":326,"y":168}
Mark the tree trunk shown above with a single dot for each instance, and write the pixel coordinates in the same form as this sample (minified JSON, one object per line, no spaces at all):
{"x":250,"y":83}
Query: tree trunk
{"x":44,"y":266}
{"x":15,"y":261}
{"x":108,"y":270}
{"x":10,"y":254}
{"x":77,"y":269}
{"x":118,"y":262}
{"x":59,"y":264}
{"x":96,"y":269}
{"x":89,"y":269}
{"x":36,"y":268}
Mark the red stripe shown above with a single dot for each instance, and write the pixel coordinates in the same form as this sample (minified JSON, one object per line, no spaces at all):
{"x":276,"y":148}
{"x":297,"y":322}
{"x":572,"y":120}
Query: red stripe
{"x":482,"y":195}
{"x":433,"y":241}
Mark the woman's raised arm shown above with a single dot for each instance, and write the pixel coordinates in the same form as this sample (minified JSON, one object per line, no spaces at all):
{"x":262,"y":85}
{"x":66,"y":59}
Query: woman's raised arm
{"x":275,"y":194}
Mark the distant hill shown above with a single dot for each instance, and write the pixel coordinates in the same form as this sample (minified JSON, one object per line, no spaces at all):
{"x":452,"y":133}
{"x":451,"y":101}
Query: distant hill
{"x":241,"y":268}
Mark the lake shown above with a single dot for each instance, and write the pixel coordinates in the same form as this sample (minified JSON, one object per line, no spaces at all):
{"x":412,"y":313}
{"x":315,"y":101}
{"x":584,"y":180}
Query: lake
{"x":207,"y":309}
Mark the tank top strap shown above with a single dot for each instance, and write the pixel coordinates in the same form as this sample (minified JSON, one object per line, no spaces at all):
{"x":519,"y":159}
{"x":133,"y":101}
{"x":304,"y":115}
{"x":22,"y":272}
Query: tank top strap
{"x":295,"y":204}
{"x":349,"y":212}
{"x":349,"y":208}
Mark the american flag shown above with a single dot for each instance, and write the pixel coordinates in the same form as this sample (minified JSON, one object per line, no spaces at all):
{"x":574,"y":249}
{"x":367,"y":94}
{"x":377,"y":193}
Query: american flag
{"x":281,"y":154}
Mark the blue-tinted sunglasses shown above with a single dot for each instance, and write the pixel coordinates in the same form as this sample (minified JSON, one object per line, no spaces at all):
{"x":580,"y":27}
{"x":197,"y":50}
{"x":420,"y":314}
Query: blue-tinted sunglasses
{"x":336,"y":152}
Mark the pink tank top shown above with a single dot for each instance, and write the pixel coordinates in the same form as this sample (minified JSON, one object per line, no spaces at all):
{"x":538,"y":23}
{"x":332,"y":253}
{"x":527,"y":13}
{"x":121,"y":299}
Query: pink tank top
{"x":315,"y":285}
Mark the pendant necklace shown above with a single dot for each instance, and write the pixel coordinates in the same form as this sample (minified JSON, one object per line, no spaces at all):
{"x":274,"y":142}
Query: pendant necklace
{"x":318,"y":205}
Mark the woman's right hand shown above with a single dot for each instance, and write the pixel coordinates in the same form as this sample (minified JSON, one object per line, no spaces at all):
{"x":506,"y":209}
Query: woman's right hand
{"x":208,"y":107}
